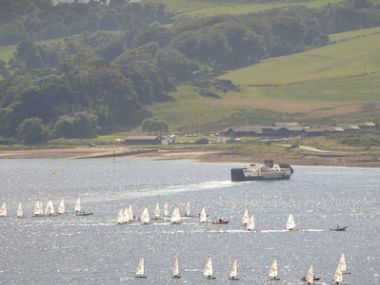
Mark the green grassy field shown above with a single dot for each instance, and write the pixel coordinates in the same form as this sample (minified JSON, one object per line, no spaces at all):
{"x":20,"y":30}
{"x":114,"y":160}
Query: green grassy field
{"x":336,"y":82}
{"x":212,"y":8}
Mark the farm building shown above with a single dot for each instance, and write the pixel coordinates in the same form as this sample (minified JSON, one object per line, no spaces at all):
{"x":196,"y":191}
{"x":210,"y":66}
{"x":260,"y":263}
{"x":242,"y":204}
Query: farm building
{"x":138,"y":140}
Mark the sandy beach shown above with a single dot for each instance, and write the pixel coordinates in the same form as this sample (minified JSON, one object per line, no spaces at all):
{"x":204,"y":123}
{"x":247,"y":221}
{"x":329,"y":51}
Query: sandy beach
{"x":206,"y":154}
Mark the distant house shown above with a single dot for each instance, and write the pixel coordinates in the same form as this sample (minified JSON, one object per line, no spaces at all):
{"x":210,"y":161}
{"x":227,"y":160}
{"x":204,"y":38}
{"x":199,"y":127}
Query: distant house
{"x":246,"y":131}
{"x":140,"y":140}
{"x":350,"y":127}
{"x":313,"y":132}
{"x":287,"y":124}
{"x":367,"y":125}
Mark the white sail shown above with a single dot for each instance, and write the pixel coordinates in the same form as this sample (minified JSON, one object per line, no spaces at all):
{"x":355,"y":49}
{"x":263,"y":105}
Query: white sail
{"x":175,"y":268}
{"x":120,"y":217}
{"x":19,"y":211}
{"x":41,"y":207}
{"x":233,"y":271}
{"x":203,"y":216}
{"x":251,"y":223}
{"x":145,"y":218}
{"x":130,"y":213}
{"x":176,"y":218}
{"x":188,"y":209}
{"x":273,"y":270}
{"x":49,"y":208}
{"x":77,"y":206}
{"x":245,"y":217}
{"x":38,"y":208}
{"x":61,"y":207}
{"x":338,"y":276}
{"x":208,"y":270}
{"x":310,"y":275}
{"x":126,"y":215}
{"x":3,"y":210}
{"x":140,"y":268}
{"x":165,"y":209}
{"x":290,"y":223}
{"x":342,"y":263}
{"x":157,"y":212}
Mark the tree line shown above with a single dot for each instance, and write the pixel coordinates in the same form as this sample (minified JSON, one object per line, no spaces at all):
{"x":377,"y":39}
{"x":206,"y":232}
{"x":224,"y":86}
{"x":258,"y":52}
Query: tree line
{"x":101,"y":79}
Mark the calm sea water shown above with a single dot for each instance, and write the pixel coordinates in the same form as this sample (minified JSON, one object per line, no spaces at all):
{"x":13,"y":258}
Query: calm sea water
{"x":94,"y":250}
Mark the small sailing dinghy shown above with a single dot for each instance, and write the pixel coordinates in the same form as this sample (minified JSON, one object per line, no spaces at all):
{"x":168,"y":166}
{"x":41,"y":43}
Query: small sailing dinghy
{"x":175,"y":269}
{"x":245,"y":218}
{"x":3,"y":210}
{"x":310,"y":276}
{"x":157,"y":212}
{"x":38,"y":209}
{"x":130,"y":214}
{"x":165,"y":209}
{"x":203,"y":216}
{"x":50,"y":212}
{"x":208,"y":271}
{"x":140,"y":269}
{"x":78,"y":209}
{"x":250,"y":226}
{"x":120,"y":217}
{"x":342,"y":264}
{"x":338,"y":276}
{"x":126,"y":215}
{"x":273,"y":271}
{"x":145,"y":218}
{"x":290,"y":223}
{"x":176,"y":218}
{"x":188,"y":210}
{"x":19,"y":211}
{"x":233,"y":272}
{"x":339,"y":229}
{"x":61,"y":207}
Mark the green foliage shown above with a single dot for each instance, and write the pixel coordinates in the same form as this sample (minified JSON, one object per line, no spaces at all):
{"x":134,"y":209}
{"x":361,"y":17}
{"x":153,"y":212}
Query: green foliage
{"x":154,"y":126}
{"x":32,"y":131}
{"x":81,"y":125}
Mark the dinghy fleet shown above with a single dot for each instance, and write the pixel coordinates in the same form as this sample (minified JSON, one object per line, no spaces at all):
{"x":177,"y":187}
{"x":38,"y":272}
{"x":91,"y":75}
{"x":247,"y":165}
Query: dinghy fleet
{"x":48,"y":211}
{"x":273,"y":272}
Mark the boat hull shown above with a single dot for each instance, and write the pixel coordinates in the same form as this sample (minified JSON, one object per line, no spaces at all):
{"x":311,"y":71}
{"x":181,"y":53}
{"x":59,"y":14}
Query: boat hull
{"x":237,"y":175}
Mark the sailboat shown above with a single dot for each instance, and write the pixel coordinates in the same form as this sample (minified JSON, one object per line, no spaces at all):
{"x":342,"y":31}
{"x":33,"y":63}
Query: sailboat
{"x":188,"y":210}
{"x":233,"y":271}
{"x":78,"y":209}
{"x":165,"y":209}
{"x":3,"y":210}
{"x":145,"y":218}
{"x":175,"y":269}
{"x":50,"y":209}
{"x":273,"y":271}
{"x":203,"y":216}
{"x":19,"y":211}
{"x":250,"y":226}
{"x":245,"y":218}
{"x":342,"y":264}
{"x":61,"y":207}
{"x":126,"y":215}
{"x":208,"y":271}
{"x":290,"y":223}
{"x":140,"y":271}
{"x":338,"y":276}
{"x":310,"y":276}
{"x":176,"y":218}
{"x":157,"y":212}
{"x":120,"y":217}
{"x":38,"y":209}
{"x":130,"y":214}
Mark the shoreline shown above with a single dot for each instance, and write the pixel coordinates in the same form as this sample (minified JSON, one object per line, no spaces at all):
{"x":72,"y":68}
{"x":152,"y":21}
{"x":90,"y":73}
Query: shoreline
{"x":203,"y":154}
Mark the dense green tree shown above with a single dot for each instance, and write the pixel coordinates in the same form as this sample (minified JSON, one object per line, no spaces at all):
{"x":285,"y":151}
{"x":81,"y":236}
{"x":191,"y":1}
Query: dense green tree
{"x":32,"y":131}
{"x":154,"y":126}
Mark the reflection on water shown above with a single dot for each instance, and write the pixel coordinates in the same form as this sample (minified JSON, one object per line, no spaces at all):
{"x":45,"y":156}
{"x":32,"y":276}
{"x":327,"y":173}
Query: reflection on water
{"x":94,"y":250}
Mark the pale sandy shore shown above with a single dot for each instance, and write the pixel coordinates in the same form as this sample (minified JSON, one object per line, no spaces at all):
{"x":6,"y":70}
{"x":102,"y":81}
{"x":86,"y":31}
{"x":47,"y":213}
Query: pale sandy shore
{"x":306,"y":157}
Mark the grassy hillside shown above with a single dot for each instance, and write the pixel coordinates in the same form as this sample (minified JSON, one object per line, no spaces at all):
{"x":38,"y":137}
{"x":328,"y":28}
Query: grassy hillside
{"x":211,"y":8}
{"x":339,"y":81}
